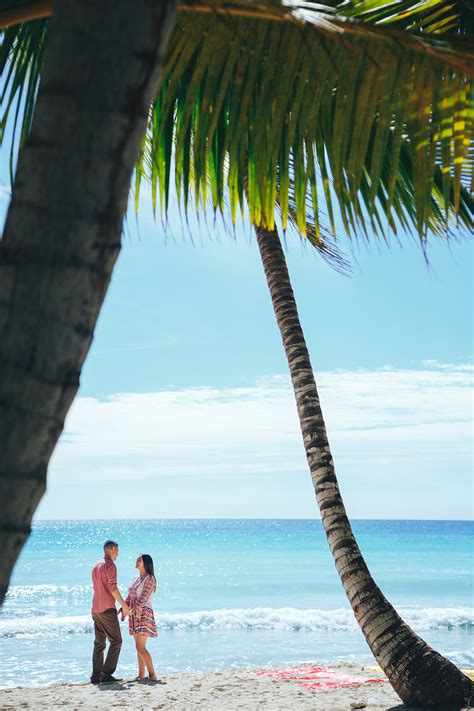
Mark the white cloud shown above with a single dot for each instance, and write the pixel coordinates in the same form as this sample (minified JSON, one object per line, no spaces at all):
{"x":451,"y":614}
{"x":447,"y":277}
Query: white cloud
{"x":378,"y":421}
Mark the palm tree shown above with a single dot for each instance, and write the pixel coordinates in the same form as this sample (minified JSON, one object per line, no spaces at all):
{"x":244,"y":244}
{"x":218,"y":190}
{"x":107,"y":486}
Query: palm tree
{"x":385,"y":168}
{"x":418,"y":674}
{"x":63,"y":229}
{"x":383,"y":114}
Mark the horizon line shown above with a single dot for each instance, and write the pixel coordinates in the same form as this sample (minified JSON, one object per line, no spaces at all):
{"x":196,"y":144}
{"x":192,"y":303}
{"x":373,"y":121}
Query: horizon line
{"x":240,"y":518}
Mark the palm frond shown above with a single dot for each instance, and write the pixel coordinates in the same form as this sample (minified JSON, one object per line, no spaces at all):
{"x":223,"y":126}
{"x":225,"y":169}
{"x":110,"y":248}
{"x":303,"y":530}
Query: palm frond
{"x":441,"y":16}
{"x":298,"y":101}
{"x":14,"y":12}
{"x":321,"y":239}
{"x":21,"y":61}
{"x":283,"y":94}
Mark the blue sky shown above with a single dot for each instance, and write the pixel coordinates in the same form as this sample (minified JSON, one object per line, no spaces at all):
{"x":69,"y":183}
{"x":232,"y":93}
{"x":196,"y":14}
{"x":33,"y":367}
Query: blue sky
{"x":185,"y":408}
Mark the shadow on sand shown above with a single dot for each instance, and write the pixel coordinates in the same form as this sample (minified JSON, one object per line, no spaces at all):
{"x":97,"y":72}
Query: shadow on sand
{"x":124,"y":685}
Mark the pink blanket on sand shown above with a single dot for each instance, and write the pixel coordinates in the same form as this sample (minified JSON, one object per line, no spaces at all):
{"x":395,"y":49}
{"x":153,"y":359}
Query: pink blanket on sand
{"x":318,"y":677}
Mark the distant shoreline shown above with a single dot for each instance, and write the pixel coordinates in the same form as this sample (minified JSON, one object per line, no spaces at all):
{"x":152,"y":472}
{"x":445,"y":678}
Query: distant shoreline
{"x":187,"y":518}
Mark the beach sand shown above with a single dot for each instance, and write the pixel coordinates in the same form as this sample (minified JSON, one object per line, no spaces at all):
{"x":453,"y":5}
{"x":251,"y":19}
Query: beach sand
{"x":221,"y":690}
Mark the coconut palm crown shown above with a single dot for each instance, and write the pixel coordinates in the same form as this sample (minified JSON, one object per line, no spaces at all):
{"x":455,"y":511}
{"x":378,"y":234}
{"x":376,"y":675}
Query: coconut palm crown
{"x":364,"y":106}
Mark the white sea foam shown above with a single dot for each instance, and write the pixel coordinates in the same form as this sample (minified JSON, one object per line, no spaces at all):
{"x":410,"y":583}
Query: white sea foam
{"x":46,"y":591}
{"x":45,"y":626}
{"x":259,"y":618}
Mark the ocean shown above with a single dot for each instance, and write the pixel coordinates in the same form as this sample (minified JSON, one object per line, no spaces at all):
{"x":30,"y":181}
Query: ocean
{"x":232,"y":593}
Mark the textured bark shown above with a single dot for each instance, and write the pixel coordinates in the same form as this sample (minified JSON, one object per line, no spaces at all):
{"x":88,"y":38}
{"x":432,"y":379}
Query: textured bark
{"x":418,"y":674}
{"x":63,"y":230}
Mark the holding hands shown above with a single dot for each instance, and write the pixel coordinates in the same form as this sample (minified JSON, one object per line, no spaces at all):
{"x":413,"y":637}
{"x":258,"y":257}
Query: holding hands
{"x":124,"y":611}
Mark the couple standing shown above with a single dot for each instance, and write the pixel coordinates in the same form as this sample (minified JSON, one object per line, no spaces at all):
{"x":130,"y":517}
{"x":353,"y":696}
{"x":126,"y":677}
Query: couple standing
{"x":137,"y":607}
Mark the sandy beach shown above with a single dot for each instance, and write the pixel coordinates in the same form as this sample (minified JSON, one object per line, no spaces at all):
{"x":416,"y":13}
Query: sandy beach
{"x":231,"y":689}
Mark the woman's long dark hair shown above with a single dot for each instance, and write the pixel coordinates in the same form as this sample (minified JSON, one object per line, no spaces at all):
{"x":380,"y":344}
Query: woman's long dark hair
{"x":148,"y":565}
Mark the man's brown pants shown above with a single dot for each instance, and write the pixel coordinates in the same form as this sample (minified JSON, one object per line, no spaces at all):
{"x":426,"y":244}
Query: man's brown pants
{"x":106,"y":626}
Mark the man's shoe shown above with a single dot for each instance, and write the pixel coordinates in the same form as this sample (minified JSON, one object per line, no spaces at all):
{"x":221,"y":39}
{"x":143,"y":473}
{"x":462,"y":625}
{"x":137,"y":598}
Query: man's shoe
{"x":95,"y":680}
{"x":108,"y":679}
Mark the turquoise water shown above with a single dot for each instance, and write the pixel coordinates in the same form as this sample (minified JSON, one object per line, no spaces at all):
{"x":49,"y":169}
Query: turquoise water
{"x":231,"y":593}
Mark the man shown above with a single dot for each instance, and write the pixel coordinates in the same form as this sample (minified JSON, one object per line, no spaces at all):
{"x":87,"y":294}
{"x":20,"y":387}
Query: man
{"x":104,"y":614}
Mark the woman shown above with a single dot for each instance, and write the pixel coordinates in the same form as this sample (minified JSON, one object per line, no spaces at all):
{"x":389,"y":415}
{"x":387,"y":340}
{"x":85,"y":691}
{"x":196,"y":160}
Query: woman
{"x":141,"y":622}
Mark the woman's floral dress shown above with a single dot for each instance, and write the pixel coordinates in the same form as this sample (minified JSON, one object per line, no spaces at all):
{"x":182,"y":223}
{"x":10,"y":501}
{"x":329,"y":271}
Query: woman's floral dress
{"x":140,"y":595}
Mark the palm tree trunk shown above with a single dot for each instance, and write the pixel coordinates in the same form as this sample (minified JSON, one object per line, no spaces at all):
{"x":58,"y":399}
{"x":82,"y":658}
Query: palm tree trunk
{"x":62,"y":233}
{"x":418,"y":674}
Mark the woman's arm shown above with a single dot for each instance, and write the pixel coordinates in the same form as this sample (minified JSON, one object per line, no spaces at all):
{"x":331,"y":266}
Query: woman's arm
{"x":148,"y":590}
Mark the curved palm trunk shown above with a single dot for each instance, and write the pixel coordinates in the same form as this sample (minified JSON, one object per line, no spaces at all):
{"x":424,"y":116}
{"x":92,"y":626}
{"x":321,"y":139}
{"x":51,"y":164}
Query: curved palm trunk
{"x":418,"y":674}
{"x":62,"y":234}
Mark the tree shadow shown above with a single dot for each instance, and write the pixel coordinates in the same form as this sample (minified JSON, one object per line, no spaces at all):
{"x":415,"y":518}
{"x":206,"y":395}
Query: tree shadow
{"x":126,"y":685}
{"x":150,"y":682}
{"x":114,"y":686}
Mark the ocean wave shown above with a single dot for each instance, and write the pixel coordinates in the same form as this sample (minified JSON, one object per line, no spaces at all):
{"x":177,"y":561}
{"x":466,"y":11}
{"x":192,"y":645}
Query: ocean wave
{"x":295,"y":620}
{"x":45,"y":626}
{"x":434,"y":618}
{"x":259,"y":618}
{"x":19,"y":593}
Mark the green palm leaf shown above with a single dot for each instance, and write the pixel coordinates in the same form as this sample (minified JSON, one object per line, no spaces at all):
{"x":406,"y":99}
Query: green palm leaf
{"x":328,"y":103}
{"x":21,"y":60}
{"x":370,"y":96}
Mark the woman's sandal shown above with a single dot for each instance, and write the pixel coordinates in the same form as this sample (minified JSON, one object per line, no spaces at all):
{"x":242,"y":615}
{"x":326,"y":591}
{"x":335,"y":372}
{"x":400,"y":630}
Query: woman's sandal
{"x":153,"y":678}
{"x":138,"y":678}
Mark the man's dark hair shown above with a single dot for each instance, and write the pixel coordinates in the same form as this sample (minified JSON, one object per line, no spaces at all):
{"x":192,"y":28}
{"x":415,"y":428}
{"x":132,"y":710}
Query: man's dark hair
{"x":110,"y":544}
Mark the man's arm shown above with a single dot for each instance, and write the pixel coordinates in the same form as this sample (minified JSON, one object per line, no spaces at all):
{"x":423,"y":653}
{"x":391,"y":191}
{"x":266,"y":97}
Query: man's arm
{"x":121,"y":601}
{"x":111,"y":577}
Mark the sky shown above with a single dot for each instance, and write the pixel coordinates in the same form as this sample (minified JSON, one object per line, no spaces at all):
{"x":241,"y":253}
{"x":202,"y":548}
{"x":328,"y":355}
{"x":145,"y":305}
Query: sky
{"x":185,"y":408}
